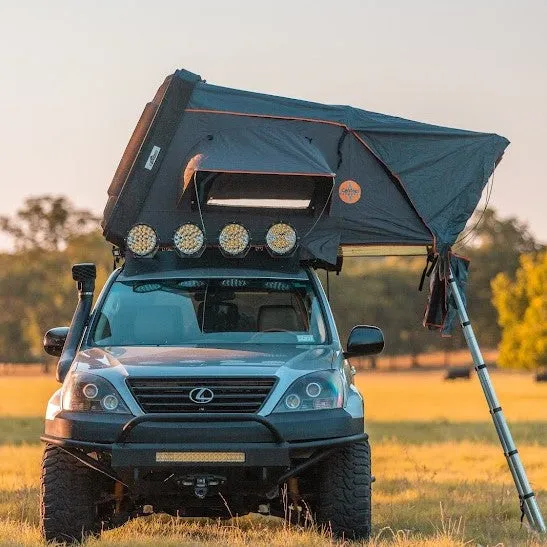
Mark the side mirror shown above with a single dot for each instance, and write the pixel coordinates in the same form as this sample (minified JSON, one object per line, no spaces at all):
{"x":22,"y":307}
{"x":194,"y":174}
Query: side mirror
{"x":54,"y":340}
{"x":364,"y":340}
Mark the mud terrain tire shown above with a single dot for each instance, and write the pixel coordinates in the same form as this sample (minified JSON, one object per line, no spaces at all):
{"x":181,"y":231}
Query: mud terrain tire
{"x":69,"y":495}
{"x":344,"y":501}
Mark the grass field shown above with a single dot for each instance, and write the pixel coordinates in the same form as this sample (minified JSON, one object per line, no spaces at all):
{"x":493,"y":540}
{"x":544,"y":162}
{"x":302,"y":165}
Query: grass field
{"x":441,"y":475}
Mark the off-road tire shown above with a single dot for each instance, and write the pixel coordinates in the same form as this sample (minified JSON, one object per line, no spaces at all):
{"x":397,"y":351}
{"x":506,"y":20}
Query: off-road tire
{"x":69,"y":495}
{"x":344,"y":498}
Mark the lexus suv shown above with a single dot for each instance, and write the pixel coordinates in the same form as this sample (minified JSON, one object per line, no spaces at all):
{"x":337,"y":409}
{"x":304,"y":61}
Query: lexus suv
{"x":208,"y":391}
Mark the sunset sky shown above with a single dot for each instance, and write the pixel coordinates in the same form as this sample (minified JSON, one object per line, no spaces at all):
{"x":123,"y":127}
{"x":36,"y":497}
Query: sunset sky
{"x":76,"y":75}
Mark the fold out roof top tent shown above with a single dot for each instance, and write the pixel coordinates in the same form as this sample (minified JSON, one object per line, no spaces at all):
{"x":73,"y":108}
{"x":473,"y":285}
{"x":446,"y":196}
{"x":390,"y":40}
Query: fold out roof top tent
{"x":348,"y":181}
{"x":390,"y":182}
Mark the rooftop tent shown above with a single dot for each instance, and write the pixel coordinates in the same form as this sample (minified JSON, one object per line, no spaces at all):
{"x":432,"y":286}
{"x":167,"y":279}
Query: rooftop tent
{"x":397,"y":182}
{"x":348,"y":180}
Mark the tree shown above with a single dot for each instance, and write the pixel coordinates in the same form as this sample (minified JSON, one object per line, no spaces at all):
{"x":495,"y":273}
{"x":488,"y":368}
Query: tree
{"x":494,"y":246}
{"x":383,"y":292}
{"x":36,"y":288}
{"x":522,"y":313}
{"x":47,"y":222}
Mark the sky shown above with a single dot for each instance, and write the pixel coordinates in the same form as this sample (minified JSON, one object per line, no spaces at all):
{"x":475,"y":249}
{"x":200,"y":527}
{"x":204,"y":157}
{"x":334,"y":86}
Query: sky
{"x":75,"y":76}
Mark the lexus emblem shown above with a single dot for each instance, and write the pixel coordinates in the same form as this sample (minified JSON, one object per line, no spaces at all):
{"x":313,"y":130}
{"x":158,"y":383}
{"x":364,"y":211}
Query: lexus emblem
{"x":201,"y":395}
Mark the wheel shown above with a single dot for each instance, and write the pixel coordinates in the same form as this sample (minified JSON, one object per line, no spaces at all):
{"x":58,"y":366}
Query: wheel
{"x":70,"y":496}
{"x":344,"y":498}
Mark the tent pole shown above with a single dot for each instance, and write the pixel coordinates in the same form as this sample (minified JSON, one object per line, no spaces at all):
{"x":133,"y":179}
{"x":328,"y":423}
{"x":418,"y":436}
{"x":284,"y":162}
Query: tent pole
{"x":527,"y":498}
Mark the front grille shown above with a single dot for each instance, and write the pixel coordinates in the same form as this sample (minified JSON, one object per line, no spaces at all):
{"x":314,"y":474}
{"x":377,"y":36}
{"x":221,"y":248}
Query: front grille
{"x":173,"y":394}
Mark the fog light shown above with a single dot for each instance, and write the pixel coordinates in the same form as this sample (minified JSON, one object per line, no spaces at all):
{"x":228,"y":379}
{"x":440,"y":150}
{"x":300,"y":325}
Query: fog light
{"x":281,"y":239}
{"x":110,"y":402}
{"x":90,"y":391}
{"x":142,"y":240}
{"x":234,"y":239}
{"x":189,"y":239}
{"x":292,"y":401}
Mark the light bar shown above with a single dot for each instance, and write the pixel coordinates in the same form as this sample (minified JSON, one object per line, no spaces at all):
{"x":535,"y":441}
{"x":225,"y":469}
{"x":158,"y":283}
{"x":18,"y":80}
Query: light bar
{"x":281,"y":239}
{"x":234,"y":239}
{"x":201,"y":457}
{"x":142,"y":240}
{"x":189,"y":240}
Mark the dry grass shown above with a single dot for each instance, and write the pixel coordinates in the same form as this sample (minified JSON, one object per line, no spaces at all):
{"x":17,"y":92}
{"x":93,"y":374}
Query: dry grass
{"x":432,"y":359}
{"x":424,"y":396}
{"x":25,"y":395}
{"x":452,"y":492}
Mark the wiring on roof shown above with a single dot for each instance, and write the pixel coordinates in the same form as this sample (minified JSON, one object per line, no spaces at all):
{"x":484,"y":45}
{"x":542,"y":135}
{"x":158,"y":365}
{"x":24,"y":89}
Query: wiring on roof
{"x":327,"y":201}
{"x":471,"y":234}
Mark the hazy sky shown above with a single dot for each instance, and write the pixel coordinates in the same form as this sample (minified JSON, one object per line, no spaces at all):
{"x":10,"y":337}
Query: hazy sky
{"x":75,"y":77}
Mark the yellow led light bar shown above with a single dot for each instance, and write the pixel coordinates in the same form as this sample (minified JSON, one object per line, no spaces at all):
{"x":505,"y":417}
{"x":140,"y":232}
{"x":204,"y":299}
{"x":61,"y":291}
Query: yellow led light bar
{"x":200,"y":457}
{"x":382,"y":250}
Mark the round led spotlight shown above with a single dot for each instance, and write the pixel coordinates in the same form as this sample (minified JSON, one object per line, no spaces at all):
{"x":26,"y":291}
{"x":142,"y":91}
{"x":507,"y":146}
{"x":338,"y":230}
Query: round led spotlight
{"x":234,"y":239}
{"x":142,"y":240}
{"x":189,"y":240}
{"x":281,"y":239}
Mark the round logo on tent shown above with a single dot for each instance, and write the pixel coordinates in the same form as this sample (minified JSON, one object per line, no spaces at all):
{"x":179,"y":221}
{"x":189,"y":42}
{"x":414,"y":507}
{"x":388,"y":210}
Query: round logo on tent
{"x":349,"y":191}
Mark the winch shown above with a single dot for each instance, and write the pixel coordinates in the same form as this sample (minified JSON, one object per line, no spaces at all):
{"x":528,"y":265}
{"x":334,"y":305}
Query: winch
{"x":201,"y":483}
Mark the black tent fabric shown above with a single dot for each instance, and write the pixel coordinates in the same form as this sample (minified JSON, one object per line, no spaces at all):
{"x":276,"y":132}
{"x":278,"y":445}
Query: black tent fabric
{"x":260,"y":151}
{"x":396,"y":181}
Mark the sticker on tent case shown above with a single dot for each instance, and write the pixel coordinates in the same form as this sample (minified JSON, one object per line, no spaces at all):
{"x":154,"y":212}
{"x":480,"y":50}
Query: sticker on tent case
{"x":152,"y":158}
{"x":349,"y":191}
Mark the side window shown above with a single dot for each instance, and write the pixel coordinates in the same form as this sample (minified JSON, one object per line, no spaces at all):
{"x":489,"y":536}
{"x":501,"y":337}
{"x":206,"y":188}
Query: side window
{"x":317,"y":326}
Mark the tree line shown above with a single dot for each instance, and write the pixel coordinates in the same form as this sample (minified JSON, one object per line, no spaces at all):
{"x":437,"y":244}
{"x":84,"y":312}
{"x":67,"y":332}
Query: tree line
{"x":507,"y":289}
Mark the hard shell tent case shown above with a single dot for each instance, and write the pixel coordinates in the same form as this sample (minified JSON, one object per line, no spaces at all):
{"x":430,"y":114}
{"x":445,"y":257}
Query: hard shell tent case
{"x":399,"y":187}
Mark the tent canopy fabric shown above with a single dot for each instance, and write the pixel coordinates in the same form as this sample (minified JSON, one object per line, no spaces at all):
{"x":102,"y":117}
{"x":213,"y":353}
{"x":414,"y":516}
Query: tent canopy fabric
{"x":442,"y":170}
{"x":259,"y":151}
{"x":397,"y":182}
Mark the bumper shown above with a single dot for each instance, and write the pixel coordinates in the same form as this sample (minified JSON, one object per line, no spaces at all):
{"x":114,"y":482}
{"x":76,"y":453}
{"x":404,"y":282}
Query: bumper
{"x":128,"y":455}
{"x":167,"y":441}
{"x":211,"y":428}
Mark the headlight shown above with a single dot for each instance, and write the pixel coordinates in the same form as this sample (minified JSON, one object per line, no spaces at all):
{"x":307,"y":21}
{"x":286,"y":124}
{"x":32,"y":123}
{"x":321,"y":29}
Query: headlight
{"x":189,"y":240}
{"x":234,"y":239}
{"x":142,"y":240}
{"x":90,"y":393}
{"x":317,"y":391}
{"x":281,"y":239}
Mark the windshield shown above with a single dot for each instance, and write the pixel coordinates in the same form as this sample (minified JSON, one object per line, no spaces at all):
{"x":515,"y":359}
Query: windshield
{"x":177,"y":312}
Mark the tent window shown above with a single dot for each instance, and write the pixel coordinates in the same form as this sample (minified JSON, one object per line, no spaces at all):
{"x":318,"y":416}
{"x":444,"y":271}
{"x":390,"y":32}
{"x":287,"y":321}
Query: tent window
{"x":263,"y":191}
{"x":270,"y":191}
